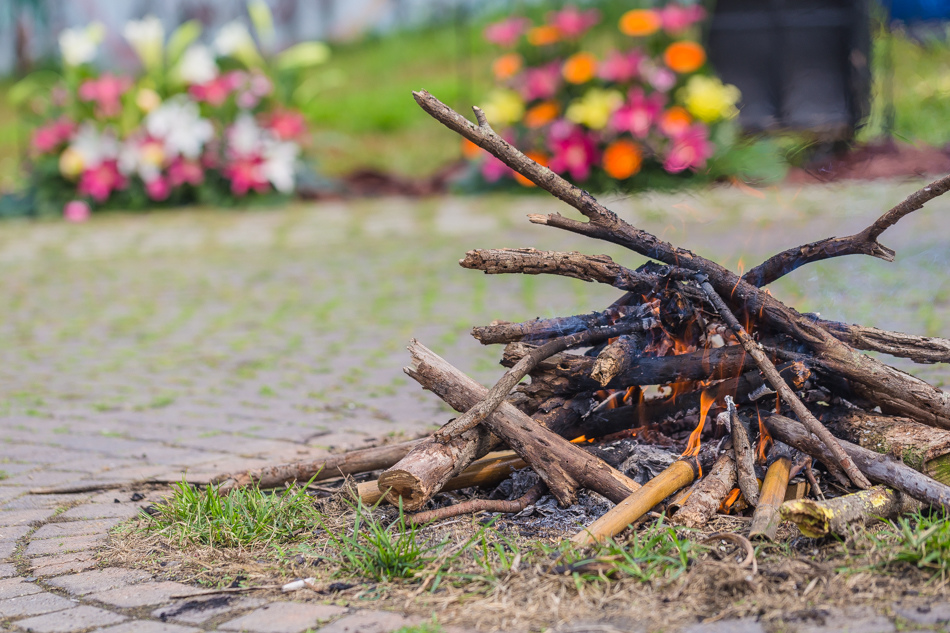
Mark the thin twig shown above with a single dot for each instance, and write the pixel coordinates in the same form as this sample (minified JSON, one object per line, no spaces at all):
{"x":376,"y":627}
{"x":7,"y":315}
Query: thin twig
{"x":479,"y":505}
{"x":745,"y":456}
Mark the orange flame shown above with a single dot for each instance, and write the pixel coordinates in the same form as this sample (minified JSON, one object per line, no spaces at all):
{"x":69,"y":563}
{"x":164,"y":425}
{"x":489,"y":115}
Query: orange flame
{"x":706,"y":401}
{"x":728,"y":502}
{"x":765,"y":440}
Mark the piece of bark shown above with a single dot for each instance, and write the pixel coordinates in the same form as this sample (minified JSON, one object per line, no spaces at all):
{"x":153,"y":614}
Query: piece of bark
{"x":708,"y":493}
{"x":351,"y":463}
{"x":863,"y":243}
{"x":744,"y":456}
{"x":816,"y":519}
{"x":541,"y":329}
{"x":766,"y":518}
{"x":534,"y":493}
{"x":617,"y":357}
{"x":878,"y":468}
{"x":784,"y":391}
{"x":921,"y":447}
{"x":563,"y":466}
{"x":490,"y":470}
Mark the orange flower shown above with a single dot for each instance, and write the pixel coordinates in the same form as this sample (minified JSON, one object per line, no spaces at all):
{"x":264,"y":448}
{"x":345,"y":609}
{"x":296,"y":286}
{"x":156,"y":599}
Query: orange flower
{"x":675,"y":121}
{"x":622,"y":159}
{"x":470,"y":150}
{"x":640,"y":22}
{"x":579,"y":68}
{"x":541,"y":114}
{"x":684,"y":56}
{"x":507,"y":66}
{"x":544,"y":35}
{"x":538,"y":157}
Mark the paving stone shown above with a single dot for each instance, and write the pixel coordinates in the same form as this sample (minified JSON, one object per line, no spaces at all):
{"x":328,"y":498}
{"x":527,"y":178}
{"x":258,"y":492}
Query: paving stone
{"x":64,"y":545}
{"x":33,"y":604}
{"x":743,"y":625}
{"x":99,"y":580}
{"x":24,"y":517}
{"x":102,"y":511}
{"x":371,"y":622}
{"x":283,"y":617}
{"x":148,"y":626}
{"x":6,"y":549}
{"x":13,"y":532}
{"x":855,"y":620}
{"x":7,"y":570}
{"x":40,"y":502}
{"x":143,"y":594}
{"x":73,"y":528}
{"x":47,"y":566}
{"x":75,"y":619}
{"x":16,"y":587}
{"x":927,"y":614}
{"x":40,"y":479}
{"x":202,"y":609}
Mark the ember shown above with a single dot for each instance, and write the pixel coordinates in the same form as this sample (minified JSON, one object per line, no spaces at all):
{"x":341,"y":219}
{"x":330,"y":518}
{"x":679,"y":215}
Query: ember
{"x":688,"y":337}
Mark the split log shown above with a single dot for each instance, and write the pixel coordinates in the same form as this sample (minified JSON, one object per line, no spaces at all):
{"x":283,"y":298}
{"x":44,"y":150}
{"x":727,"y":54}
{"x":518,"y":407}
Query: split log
{"x":838,"y":516}
{"x":708,"y":493}
{"x":490,"y":470}
{"x":766,"y":518}
{"x":563,"y":466}
{"x":540,"y":329}
{"x":744,"y":456}
{"x":351,"y":463}
{"x":879,"y":468}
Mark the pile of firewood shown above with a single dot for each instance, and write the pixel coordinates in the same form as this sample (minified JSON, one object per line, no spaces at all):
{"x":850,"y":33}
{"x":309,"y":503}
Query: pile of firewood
{"x":692,"y":357}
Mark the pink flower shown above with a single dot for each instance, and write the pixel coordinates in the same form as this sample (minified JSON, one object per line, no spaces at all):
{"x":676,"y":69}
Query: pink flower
{"x":217,"y":91}
{"x":689,"y":150}
{"x":677,"y":19}
{"x":245,"y":174}
{"x":620,"y":67}
{"x":158,"y":188}
{"x":183,"y":171}
{"x":572,"y":150}
{"x":662,"y":79}
{"x":260,"y":85}
{"x":76,"y":211}
{"x":507,"y":32}
{"x":107,"y":92}
{"x":542,"y":82}
{"x":494,"y":170}
{"x":100,"y":181}
{"x":639,"y":113}
{"x":572,"y":22}
{"x":49,"y":137}
{"x":287,"y":124}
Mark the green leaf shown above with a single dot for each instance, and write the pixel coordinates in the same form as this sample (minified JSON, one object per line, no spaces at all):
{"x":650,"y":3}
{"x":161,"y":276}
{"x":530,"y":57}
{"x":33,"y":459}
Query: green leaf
{"x":23,"y":90}
{"x":262,"y":19}
{"x":303,"y":55}
{"x":181,"y":38}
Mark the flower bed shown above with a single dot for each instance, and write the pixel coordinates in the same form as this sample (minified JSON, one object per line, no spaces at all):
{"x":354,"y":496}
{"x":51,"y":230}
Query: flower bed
{"x":207,"y":124}
{"x":647,"y":112}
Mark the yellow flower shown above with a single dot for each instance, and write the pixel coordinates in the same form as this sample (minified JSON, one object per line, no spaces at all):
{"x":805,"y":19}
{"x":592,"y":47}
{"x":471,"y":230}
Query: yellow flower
{"x":147,"y":99}
{"x":594,"y":108}
{"x":71,"y":163}
{"x":708,"y":99}
{"x":503,"y":107}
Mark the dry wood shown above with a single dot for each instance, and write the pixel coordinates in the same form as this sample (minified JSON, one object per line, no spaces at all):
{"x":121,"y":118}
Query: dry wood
{"x":744,"y":456}
{"x":863,"y":243}
{"x":920,"y":349}
{"x":490,"y":470}
{"x":479,"y":505}
{"x":765,"y":519}
{"x":877,"y":467}
{"x":680,"y":473}
{"x":477,"y":414}
{"x":887,"y":384}
{"x":351,"y":463}
{"x":540,"y":329}
{"x":784,"y":391}
{"x":563,"y":466}
{"x":838,"y":516}
{"x":616,"y":358}
{"x":708,"y":493}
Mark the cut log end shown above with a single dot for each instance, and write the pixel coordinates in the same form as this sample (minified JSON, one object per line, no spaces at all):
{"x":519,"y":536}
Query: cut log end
{"x":403,"y":485}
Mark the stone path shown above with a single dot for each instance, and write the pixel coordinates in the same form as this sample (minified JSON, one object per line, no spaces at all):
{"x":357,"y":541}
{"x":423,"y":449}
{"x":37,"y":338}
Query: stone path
{"x":178,"y":345}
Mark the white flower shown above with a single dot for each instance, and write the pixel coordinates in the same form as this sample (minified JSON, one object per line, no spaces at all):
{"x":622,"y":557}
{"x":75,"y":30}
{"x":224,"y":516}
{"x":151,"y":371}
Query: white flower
{"x":280,"y":162}
{"x":245,"y":137}
{"x":94,"y":146}
{"x":232,"y":37}
{"x":79,"y":46}
{"x":147,"y":37}
{"x":143,"y":158}
{"x":197,"y":65}
{"x":179,"y":125}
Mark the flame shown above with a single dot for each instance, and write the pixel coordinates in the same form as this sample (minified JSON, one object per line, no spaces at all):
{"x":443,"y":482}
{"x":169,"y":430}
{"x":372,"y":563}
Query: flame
{"x":579,"y":440}
{"x":706,"y":401}
{"x":765,"y":440}
{"x":628,"y":396}
{"x":728,"y":502}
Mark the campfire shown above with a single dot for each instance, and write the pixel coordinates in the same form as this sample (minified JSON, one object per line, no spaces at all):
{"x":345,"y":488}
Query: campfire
{"x":762,"y":410}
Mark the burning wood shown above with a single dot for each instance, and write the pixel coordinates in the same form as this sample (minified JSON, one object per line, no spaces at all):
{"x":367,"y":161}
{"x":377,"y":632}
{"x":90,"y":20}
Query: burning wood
{"x":687,"y":355}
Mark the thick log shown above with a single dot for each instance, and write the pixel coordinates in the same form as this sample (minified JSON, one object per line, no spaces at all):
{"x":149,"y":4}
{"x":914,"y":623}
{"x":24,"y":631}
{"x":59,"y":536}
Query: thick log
{"x":878,"y":468}
{"x":563,"y":466}
{"x":921,"y":447}
{"x":708,"y":493}
{"x":351,"y":463}
{"x":744,"y":456}
{"x":766,"y":518}
{"x":541,"y":329}
{"x":839,"y":516}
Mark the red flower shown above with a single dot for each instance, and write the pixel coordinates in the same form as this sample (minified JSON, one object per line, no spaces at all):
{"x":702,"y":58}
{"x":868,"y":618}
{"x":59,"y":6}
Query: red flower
{"x":620,"y":67}
{"x":245,"y":174}
{"x":49,"y":137}
{"x":287,"y":124}
{"x":542,"y":82}
{"x":99,"y":182}
{"x":573,"y":150}
{"x":183,"y":171}
{"x":677,"y":19}
{"x":107,"y":92}
{"x":507,"y":32}
{"x":158,"y":188}
{"x":217,"y":91}
{"x":639,"y":113}
{"x":689,"y":150}
{"x":572,"y":23}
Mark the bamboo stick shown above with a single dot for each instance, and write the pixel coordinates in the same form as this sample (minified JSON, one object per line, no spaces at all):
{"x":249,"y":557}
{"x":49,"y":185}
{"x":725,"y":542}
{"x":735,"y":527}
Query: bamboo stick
{"x":766,"y":519}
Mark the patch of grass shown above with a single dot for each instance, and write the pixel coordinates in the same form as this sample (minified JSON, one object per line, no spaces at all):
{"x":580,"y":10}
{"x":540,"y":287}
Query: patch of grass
{"x":923,"y":541}
{"x":431,"y":626}
{"x":4,"y":475}
{"x":246,"y":516}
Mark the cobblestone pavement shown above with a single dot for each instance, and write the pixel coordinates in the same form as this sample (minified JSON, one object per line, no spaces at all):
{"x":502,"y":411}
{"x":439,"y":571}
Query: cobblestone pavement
{"x":186,"y":344}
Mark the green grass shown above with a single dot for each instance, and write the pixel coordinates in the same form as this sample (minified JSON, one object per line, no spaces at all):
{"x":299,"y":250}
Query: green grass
{"x":923,"y":541}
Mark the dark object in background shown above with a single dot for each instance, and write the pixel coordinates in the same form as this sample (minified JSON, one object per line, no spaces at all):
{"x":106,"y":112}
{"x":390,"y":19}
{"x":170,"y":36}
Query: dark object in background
{"x":801,"y":64}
